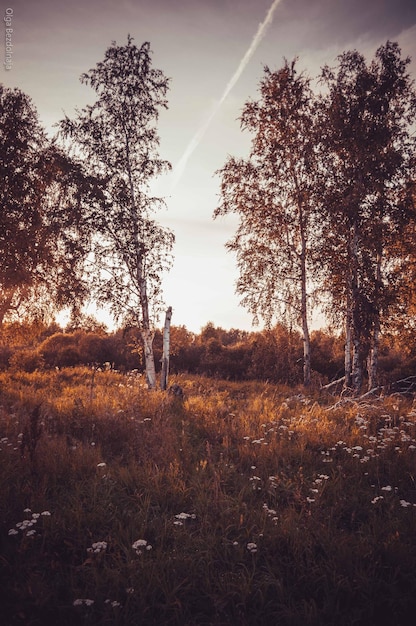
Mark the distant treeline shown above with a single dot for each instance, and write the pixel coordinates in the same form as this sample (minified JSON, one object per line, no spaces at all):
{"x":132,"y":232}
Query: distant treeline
{"x":275,"y":355}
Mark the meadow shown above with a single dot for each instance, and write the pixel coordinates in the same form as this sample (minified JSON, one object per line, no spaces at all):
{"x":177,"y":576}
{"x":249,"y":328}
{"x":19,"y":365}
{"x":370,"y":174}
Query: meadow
{"x":236,"y":504}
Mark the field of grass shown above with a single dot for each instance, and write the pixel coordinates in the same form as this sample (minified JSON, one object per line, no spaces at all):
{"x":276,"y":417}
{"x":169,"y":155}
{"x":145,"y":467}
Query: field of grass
{"x":238,"y":504}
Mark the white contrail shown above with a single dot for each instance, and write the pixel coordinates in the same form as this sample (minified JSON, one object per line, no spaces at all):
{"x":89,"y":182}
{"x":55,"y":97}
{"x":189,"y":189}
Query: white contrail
{"x":181,"y":164}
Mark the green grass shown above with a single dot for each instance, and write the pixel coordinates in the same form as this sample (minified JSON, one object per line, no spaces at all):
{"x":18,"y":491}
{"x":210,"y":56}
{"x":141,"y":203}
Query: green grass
{"x":325,"y":493}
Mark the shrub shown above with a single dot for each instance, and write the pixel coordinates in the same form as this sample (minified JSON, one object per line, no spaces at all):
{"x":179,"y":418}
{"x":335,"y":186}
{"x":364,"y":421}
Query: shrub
{"x":26,"y":360}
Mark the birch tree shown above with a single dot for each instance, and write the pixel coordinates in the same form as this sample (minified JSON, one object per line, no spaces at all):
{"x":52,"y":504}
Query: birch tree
{"x":368,"y":152}
{"x":272,"y":192}
{"x":118,"y":139}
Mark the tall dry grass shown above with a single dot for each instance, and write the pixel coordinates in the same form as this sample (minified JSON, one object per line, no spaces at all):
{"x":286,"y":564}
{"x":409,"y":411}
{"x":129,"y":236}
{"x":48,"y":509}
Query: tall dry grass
{"x":240,"y":504}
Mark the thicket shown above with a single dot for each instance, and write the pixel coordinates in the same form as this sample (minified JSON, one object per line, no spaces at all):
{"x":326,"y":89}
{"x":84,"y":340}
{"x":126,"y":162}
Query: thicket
{"x":273,"y":355}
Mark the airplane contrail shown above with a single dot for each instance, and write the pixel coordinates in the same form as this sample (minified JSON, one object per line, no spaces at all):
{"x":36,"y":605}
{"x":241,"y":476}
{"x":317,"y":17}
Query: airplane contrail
{"x":181,"y":164}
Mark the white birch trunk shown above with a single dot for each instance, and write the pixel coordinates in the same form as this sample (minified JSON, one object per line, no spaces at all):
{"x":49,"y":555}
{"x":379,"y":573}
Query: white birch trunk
{"x":357,"y":358}
{"x":357,"y":366}
{"x":304,"y":303}
{"x":146,"y":332}
{"x":166,"y":349}
{"x":372,"y":363}
{"x":147,"y":337}
{"x":305,"y":329}
{"x":373,"y":357}
{"x":348,"y":345}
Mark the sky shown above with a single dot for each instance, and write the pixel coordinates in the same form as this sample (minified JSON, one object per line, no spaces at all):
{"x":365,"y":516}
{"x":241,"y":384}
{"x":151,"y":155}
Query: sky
{"x":214,"y":52}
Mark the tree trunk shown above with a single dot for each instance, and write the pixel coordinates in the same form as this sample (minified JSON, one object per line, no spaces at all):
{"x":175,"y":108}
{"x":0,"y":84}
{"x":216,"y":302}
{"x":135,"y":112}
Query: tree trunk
{"x":372,"y":363}
{"x":357,"y":366}
{"x":306,"y":338}
{"x":356,"y":310}
{"x":304,"y":304}
{"x":348,"y":345}
{"x":147,"y":337}
{"x":147,"y":334}
{"x":165,"y":355}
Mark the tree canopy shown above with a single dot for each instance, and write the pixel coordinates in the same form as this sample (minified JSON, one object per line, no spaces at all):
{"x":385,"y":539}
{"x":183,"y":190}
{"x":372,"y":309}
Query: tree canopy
{"x":325,"y":197}
{"x":44,"y":215}
{"x":273,"y":193}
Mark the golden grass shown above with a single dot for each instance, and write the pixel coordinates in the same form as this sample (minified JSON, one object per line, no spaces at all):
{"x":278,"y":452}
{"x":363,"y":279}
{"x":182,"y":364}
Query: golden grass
{"x":261,"y":505}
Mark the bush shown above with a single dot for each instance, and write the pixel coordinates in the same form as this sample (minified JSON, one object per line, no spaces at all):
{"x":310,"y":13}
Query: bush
{"x":5,"y":354}
{"x":59,"y":350}
{"x":26,"y":360}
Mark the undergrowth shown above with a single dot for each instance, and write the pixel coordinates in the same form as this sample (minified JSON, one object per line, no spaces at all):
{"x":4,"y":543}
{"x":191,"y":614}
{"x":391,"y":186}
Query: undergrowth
{"x":244,"y":504}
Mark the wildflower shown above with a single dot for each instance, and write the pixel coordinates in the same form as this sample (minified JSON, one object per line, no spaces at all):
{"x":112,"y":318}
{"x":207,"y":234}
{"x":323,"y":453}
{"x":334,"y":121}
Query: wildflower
{"x":30,"y":533}
{"x":405,"y":504}
{"x":183,"y":516}
{"x":113,"y":603}
{"x":387,"y":488}
{"x":377,"y":499}
{"x":101,"y":464}
{"x":81,"y":601}
{"x":27,"y":523}
{"x":97,"y":547}
{"x":252,"y":547}
{"x":27,"y":510}
{"x":46,"y":513}
{"x":310,"y":500}
{"x":255,"y":480}
{"x":141,"y":543}
{"x":13,"y":531}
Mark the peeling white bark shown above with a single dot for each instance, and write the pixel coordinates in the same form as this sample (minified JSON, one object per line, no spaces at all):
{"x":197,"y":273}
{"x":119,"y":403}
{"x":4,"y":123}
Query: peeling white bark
{"x":166,"y":348}
{"x":147,"y":337}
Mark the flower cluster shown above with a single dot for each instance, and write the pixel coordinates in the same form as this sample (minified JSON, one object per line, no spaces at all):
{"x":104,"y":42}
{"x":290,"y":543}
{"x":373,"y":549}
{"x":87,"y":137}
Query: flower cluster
{"x":255,"y":483}
{"x":83,"y":602}
{"x":141,"y":544}
{"x":271,"y":513}
{"x":181,"y":517}
{"x":98,"y":547}
{"x":26,"y":526}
